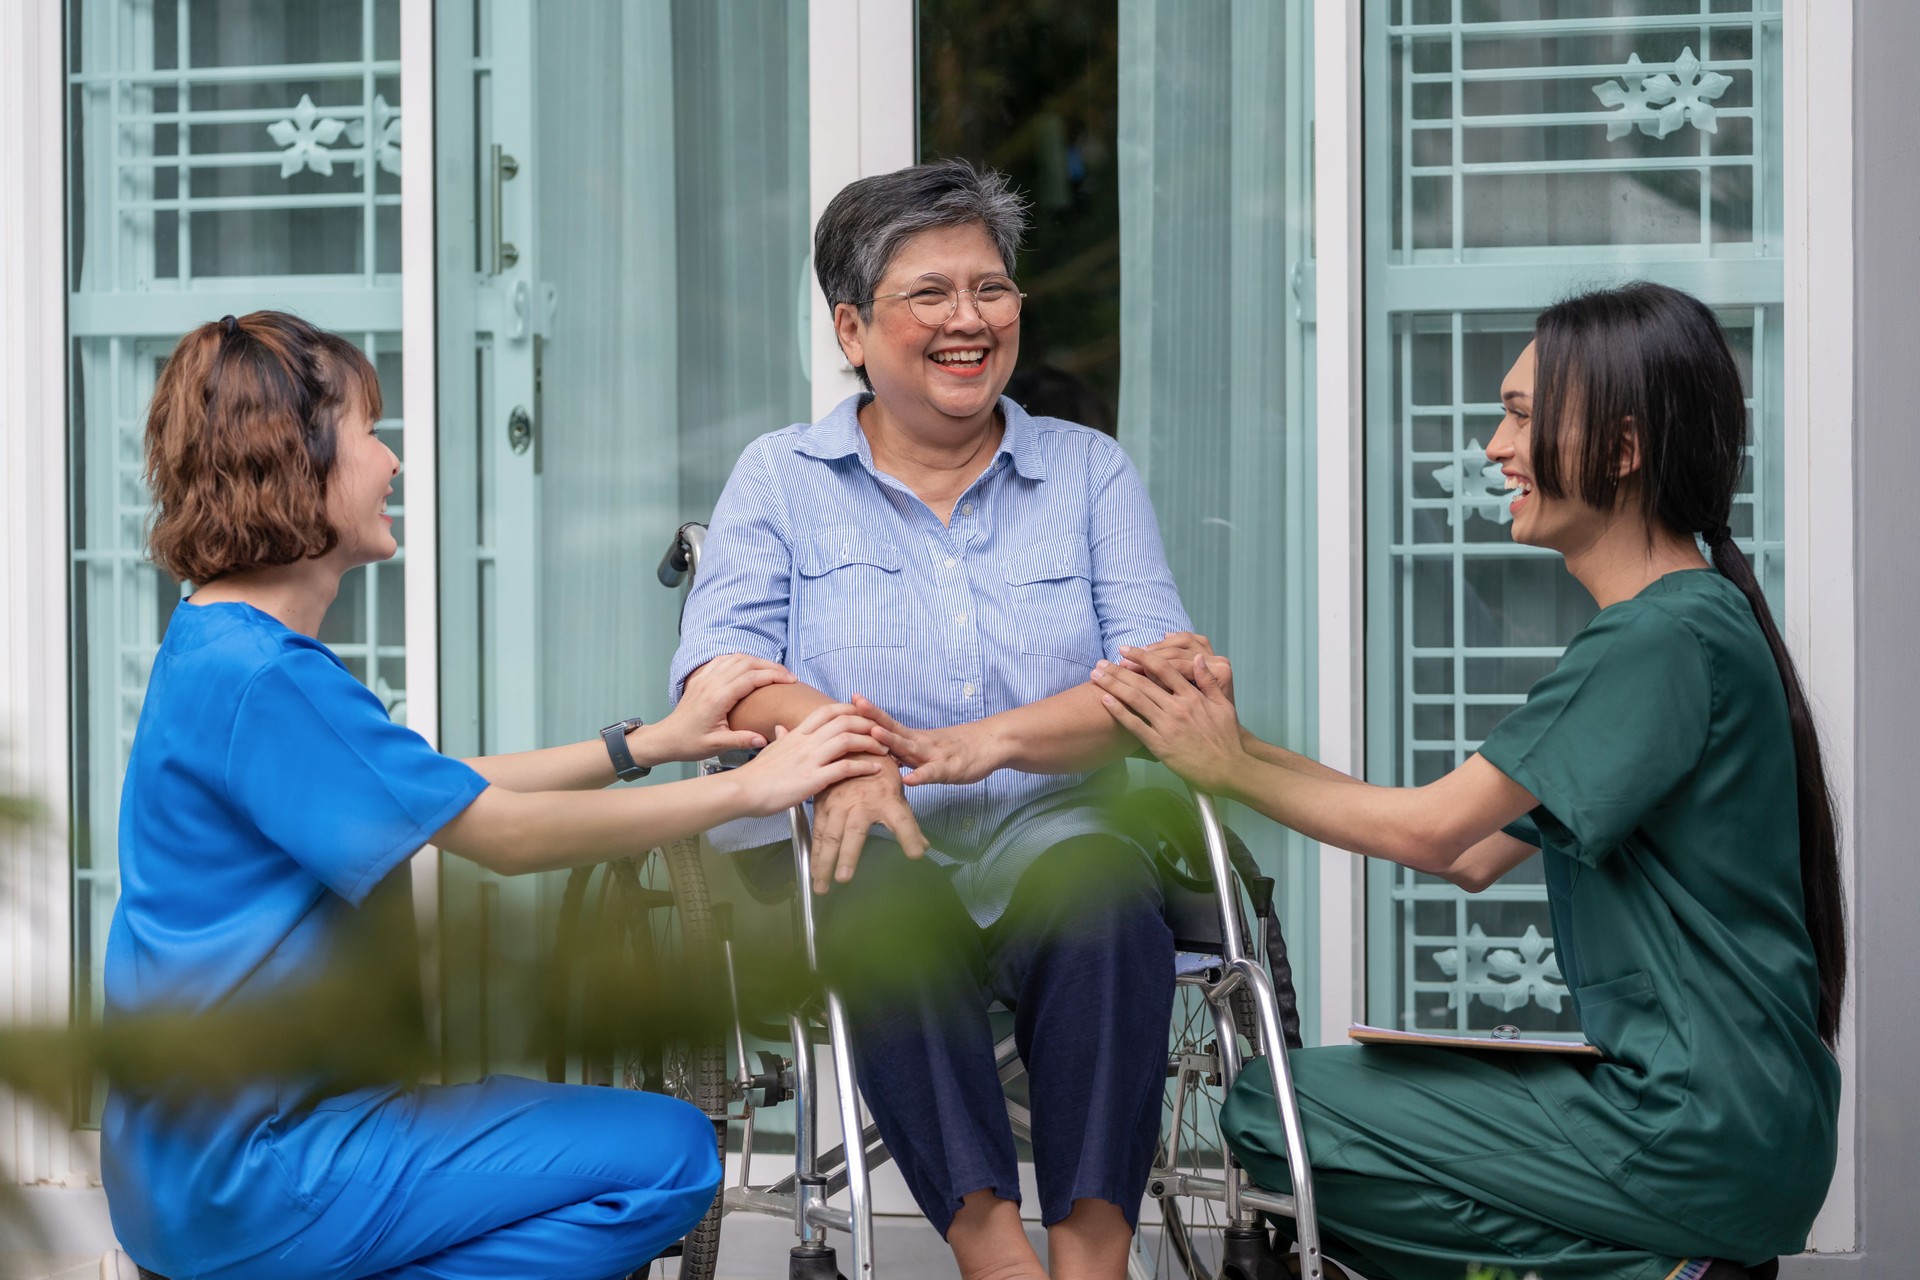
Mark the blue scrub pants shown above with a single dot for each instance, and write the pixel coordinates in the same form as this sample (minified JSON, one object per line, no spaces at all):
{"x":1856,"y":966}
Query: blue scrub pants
{"x":509,"y":1178}
{"x":1084,"y":958}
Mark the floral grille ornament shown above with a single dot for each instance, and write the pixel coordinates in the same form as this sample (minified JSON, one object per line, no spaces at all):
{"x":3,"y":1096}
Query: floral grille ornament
{"x":385,"y":133}
{"x":1479,"y":489}
{"x":1659,"y":104}
{"x":305,"y":138}
{"x":1505,"y":978}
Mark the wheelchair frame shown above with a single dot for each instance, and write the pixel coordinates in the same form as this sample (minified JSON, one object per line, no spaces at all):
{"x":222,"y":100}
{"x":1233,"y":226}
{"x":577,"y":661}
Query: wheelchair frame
{"x":804,"y":1195}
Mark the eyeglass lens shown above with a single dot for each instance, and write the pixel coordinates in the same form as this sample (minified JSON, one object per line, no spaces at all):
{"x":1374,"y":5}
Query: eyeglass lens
{"x":935,"y":299}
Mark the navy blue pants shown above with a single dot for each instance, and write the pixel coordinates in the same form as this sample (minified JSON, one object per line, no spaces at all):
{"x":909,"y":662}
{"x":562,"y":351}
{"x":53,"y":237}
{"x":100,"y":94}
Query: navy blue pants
{"x":1084,"y":959}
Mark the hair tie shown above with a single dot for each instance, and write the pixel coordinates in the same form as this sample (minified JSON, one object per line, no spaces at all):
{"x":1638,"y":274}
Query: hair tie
{"x":1718,"y":537}
{"x":229,"y":324}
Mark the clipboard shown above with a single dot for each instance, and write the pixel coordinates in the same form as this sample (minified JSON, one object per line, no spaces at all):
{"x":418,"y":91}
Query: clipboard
{"x":1361,"y":1033}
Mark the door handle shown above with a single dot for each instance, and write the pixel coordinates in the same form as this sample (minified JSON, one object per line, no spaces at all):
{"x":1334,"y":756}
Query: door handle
{"x":505,"y":167}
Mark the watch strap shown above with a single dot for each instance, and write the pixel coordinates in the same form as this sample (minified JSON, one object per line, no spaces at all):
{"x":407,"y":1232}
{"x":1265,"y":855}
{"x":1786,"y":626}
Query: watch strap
{"x":615,"y":736}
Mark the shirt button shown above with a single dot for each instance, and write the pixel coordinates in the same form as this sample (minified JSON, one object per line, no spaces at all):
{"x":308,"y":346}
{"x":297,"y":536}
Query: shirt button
{"x":951,"y":562}
{"x":967,"y":689}
{"x":966,"y":508}
{"x":967,"y":825}
{"x":960,"y":619}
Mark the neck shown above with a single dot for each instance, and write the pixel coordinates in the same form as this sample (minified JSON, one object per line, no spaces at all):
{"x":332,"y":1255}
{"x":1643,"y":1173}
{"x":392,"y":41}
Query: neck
{"x":1626,"y":557}
{"x":295,"y":595}
{"x":944,"y":447}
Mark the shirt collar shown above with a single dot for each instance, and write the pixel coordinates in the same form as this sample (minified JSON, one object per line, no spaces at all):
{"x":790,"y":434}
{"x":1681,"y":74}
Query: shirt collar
{"x":838,"y":435}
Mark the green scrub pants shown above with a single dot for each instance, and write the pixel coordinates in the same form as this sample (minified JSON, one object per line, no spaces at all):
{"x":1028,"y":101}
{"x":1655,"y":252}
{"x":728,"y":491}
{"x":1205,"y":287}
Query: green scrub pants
{"x":1427,"y":1161}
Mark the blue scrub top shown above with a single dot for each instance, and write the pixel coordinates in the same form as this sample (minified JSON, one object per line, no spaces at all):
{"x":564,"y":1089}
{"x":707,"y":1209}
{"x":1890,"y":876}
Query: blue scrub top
{"x":267,"y":794}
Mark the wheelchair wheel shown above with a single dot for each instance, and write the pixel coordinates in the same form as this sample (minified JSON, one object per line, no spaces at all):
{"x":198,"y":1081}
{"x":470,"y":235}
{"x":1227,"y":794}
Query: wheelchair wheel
{"x":651,"y":917}
{"x":1190,"y":1240}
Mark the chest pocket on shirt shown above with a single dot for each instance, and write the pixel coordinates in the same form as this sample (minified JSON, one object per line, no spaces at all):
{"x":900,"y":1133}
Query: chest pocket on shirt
{"x":1052,"y":592}
{"x":851,"y":593}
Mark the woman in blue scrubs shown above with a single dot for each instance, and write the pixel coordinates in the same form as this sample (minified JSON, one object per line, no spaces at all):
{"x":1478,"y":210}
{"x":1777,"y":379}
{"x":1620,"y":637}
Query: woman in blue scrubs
{"x":1668,"y":773}
{"x":268,"y":795}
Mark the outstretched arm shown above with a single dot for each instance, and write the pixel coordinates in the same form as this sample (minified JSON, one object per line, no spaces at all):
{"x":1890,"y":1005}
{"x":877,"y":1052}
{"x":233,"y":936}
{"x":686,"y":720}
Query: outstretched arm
{"x":700,"y":726}
{"x":1450,"y":827}
{"x":511,"y":832}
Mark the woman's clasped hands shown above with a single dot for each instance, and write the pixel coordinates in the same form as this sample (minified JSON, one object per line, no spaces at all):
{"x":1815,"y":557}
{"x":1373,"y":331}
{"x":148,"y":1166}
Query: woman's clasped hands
{"x":1180,"y":706}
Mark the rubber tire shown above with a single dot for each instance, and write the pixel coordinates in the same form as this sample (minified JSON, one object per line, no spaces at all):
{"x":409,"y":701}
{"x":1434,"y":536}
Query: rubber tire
{"x":678,"y":944}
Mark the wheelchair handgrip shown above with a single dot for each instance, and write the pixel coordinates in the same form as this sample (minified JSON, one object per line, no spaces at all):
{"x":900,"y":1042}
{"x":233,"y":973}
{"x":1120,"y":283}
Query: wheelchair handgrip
{"x":673,"y":565}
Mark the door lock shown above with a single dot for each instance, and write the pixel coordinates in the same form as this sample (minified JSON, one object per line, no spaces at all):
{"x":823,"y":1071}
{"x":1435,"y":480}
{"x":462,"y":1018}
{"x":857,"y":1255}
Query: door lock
{"x":519,"y":429}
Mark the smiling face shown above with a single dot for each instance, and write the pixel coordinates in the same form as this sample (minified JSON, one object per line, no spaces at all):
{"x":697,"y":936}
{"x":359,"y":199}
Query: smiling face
{"x":1539,"y":520}
{"x":357,"y":491}
{"x":942,"y":380}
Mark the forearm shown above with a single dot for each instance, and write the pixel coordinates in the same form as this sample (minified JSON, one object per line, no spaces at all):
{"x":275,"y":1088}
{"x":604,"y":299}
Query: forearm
{"x":1261,"y":749}
{"x":513,"y":832}
{"x":1405,"y":825}
{"x":776,"y":704}
{"x":1069,"y":732}
{"x":578,"y":766}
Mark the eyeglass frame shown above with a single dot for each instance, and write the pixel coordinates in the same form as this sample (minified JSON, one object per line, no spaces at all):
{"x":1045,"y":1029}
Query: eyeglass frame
{"x":953,"y":304}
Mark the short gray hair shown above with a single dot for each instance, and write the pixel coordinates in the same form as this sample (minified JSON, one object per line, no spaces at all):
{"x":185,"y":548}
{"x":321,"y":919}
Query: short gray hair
{"x":867,"y":222}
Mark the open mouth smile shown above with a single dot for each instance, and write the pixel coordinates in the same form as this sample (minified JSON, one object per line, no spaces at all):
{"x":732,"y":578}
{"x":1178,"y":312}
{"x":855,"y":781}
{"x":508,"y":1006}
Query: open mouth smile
{"x":964,"y":362}
{"x":1522,"y":489}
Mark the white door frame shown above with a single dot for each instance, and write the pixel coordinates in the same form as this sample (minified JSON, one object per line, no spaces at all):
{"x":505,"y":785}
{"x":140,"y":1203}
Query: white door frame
{"x":36,"y":908}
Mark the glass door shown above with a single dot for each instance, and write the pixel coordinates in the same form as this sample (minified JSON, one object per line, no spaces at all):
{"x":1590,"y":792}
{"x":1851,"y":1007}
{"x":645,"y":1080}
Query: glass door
{"x":224,"y":156}
{"x":1521,"y":150}
{"x":622,"y":239}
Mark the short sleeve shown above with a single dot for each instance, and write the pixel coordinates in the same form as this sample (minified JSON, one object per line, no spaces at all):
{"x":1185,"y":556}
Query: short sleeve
{"x":740,"y":599}
{"x":1606,"y":737}
{"x":1133,"y":590}
{"x":322,"y":771}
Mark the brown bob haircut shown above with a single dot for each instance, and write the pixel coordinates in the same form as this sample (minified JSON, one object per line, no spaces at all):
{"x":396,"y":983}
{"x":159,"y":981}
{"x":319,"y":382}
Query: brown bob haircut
{"x":241,"y":440}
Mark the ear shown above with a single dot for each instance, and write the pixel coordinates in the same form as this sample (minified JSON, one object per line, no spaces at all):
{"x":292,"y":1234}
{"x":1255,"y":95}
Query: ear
{"x":848,"y":329}
{"x":1629,"y":461}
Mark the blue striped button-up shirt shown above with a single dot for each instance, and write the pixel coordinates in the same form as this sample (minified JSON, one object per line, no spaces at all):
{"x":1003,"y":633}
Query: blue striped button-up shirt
{"x":1052,"y":560}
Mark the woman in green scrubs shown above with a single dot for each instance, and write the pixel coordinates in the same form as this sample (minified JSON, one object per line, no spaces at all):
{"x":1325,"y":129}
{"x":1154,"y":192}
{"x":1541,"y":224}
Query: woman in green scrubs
{"x":1668,"y":774}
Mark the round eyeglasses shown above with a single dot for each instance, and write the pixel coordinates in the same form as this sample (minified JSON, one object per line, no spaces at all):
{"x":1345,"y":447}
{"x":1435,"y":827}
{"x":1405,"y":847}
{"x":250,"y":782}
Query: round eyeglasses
{"x":934,"y":300}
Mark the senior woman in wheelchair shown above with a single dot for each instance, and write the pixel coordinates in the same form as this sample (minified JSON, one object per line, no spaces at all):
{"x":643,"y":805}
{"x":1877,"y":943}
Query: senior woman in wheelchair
{"x":931,"y":547}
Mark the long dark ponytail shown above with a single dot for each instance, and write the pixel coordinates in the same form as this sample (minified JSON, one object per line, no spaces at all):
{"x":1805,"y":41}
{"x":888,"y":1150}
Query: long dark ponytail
{"x":1653,"y":357}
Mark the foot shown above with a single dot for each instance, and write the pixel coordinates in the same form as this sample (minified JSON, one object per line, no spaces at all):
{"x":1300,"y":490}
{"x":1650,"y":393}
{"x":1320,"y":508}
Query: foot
{"x":1725,"y":1270}
{"x":115,"y":1265}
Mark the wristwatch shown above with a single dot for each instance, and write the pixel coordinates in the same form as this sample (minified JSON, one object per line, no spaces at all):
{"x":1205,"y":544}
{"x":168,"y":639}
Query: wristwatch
{"x":615,"y":736}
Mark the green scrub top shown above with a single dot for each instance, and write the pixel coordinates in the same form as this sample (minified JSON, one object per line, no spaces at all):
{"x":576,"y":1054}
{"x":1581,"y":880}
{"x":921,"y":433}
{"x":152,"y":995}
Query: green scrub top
{"x":1662,"y":757}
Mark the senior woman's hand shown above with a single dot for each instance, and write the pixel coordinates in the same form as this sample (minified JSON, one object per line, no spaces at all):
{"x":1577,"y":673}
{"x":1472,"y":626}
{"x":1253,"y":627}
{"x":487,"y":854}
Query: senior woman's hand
{"x":956,"y":755}
{"x":843,"y":816}
{"x":1180,"y":648}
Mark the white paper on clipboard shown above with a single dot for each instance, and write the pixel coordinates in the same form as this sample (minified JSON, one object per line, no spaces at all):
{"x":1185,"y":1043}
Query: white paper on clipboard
{"x":1360,"y":1033}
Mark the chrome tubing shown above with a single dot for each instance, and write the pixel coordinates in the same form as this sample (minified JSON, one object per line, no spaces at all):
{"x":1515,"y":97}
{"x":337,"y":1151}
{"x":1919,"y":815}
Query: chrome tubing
{"x":858,"y":1192}
{"x":1267,"y":1009}
{"x":806,"y":1135}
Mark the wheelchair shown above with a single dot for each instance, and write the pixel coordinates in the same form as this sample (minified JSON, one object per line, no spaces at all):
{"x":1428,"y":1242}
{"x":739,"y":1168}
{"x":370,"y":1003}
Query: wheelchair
{"x":671,"y":911}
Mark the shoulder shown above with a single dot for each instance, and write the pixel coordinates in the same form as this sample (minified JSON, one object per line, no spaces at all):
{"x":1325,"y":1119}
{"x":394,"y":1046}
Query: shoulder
{"x":230,"y":645}
{"x":1071,"y":446}
{"x":1643,"y":626}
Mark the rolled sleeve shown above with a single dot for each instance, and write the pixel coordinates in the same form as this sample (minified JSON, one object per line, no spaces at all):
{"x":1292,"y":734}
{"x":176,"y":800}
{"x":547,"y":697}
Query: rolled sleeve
{"x":741,"y":596}
{"x":1133,"y":589}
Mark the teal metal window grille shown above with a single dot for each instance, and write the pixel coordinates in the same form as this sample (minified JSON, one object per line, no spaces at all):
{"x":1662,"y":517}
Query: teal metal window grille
{"x":1528,"y":149}
{"x":226,"y":155}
